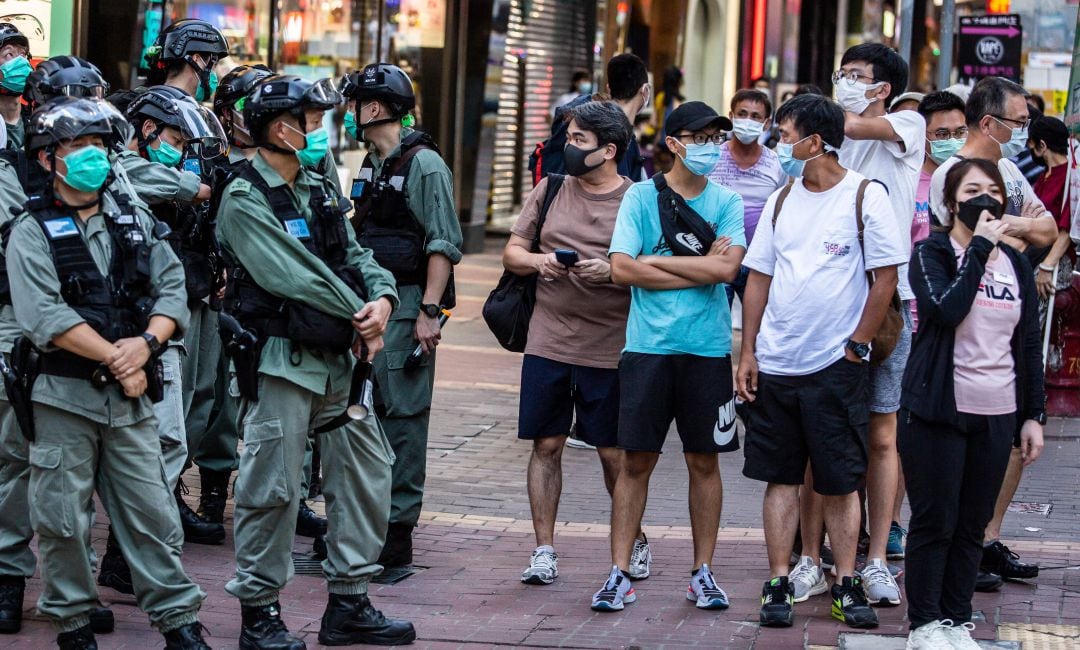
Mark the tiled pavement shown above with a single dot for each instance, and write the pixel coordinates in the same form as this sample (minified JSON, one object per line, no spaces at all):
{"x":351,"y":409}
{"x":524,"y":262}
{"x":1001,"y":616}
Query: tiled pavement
{"x":475,"y":538}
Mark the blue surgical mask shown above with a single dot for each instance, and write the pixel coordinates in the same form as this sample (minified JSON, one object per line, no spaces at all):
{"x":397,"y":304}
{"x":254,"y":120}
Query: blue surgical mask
{"x":316,"y":144}
{"x":791,"y":165}
{"x":212,"y":82}
{"x":15,"y":73}
{"x":942,"y":150}
{"x":350,"y":125}
{"x":87,"y":168}
{"x":747,"y":131}
{"x":701,"y":158}
{"x":165,"y":153}
{"x":584,"y":87}
{"x":1015,"y":145}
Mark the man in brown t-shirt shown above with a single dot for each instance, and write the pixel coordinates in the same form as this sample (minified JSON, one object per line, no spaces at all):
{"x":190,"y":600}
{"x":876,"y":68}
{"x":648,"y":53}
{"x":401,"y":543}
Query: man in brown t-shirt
{"x":578,"y":325}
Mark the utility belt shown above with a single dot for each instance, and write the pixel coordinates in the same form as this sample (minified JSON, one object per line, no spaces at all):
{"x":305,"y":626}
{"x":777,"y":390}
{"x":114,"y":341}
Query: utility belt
{"x":62,"y":363}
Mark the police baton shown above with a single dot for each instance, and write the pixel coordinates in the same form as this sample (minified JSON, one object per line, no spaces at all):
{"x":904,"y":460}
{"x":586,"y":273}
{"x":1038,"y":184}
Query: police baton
{"x":361,"y":393}
{"x":412,"y":362}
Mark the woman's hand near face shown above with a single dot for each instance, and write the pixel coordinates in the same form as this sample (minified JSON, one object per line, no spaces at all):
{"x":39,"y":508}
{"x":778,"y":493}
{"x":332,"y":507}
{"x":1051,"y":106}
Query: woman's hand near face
{"x":990,"y":228}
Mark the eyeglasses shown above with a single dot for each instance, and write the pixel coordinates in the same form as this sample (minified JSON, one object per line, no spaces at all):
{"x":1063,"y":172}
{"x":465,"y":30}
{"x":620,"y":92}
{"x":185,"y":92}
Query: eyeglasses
{"x":1021,"y":124}
{"x":851,"y":75}
{"x":943,"y":134}
{"x":701,"y":138}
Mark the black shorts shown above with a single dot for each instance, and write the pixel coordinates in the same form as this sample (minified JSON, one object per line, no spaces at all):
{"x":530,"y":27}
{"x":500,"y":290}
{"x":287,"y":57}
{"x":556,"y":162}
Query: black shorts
{"x":822,"y":418}
{"x":553,"y":391}
{"x":695,"y":392}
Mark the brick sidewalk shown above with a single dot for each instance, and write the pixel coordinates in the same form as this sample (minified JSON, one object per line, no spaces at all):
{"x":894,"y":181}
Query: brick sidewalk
{"x":476,"y":537}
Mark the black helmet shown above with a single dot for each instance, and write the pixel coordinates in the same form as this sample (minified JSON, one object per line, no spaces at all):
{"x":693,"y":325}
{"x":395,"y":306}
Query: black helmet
{"x":383,"y":82}
{"x":64,"y":75}
{"x":10,"y":35}
{"x":236,"y":85}
{"x":65,"y":118}
{"x":286,"y":93}
{"x":186,"y":37}
{"x":168,"y":106}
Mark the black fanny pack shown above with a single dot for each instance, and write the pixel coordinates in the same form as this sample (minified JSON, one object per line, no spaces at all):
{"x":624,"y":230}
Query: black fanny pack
{"x":685,"y":231}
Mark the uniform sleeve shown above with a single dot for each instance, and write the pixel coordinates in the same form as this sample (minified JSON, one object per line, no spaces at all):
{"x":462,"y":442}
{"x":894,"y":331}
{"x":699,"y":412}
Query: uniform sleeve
{"x":12,"y":196}
{"x":40,"y":311}
{"x":883,"y":244}
{"x":910,"y":130}
{"x":436,"y":211}
{"x":156,"y":183}
{"x":731,"y":222}
{"x":276,"y":260}
{"x":627,"y":237}
{"x":761,"y":255}
{"x":380,"y":283}
{"x":525,"y":226}
{"x":167,"y":281}
{"x":330,"y":170}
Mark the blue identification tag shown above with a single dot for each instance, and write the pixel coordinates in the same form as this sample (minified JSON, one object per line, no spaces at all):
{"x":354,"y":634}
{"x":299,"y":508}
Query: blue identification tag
{"x":61,"y":228}
{"x":357,"y":188}
{"x":298,"y":228}
{"x":192,"y":165}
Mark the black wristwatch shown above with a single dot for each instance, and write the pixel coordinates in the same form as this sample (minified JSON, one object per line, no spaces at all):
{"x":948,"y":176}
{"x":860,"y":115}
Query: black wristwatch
{"x":431,"y":309}
{"x":1040,"y":418}
{"x":152,"y":343}
{"x":861,"y":350}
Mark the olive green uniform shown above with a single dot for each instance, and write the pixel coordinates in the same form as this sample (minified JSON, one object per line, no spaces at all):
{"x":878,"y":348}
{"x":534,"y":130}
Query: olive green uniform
{"x":16,"y":134}
{"x":89,"y":438}
{"x":300,"y":391}
{"x":403,"y":397}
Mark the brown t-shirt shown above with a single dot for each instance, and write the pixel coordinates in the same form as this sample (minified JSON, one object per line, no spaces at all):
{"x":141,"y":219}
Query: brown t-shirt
{"x":575,"y":321}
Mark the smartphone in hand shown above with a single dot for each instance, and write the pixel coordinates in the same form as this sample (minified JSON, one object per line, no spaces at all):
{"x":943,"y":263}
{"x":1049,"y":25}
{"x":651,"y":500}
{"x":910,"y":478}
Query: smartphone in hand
{"x":566,"y":257}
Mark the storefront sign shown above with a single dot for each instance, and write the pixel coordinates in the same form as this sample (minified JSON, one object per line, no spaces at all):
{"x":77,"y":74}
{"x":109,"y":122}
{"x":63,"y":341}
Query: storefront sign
{"x":31,"y":17}
{"x":989,"y":46}
{"x":422,"y":23}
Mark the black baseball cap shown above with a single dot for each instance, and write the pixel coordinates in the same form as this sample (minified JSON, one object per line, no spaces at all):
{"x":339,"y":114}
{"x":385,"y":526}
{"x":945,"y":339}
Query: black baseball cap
{"x":694,"y":116}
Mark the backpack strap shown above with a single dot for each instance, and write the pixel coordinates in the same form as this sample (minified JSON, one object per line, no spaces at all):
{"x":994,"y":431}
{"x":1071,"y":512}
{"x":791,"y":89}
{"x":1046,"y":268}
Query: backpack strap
{"x":780,"y":202}
{"x":555,"y":182}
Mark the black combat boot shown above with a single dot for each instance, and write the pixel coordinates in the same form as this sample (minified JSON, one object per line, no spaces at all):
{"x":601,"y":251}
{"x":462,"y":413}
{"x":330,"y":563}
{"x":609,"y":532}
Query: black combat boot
{"x":309,"y":524}
{"x":186,"y":637}
{"x":80,"y":639}
{"x":196,"y":529}
{"x":349,"y":620}
{"x":397,"y":551}
{"x":115,"y":572}
{"x":263,"y":629}
{"x":215,"y":492}
{"x":101,"y":620}
{"x":11,"y":603}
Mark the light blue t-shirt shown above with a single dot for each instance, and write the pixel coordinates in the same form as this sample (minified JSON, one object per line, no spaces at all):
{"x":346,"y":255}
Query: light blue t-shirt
{"x":676,"y":321}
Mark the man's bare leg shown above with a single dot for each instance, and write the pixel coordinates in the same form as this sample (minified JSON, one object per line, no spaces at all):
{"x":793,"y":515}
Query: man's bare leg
{"x":811,"y":519}
{"x":881,"y":481}
{"x":842,"y":523}
{"x":1005,"y":496}
{"x":781,"y":518}
{"x":628,"y":504}
{"x":544,"y":481}
{"x":706,"y":497}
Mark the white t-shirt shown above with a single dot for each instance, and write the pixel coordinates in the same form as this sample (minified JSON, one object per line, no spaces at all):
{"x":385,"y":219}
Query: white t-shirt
{"x":1017,"y":188}
{"x":819,"y":286}
{"x":897,"y":167}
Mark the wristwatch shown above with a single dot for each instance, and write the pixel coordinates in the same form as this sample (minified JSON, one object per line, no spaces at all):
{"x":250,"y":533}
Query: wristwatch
{"x":1040,"y":418}
{"x":431,"y":309}
{"x":152,"y":343}
{"x":861,"y":350}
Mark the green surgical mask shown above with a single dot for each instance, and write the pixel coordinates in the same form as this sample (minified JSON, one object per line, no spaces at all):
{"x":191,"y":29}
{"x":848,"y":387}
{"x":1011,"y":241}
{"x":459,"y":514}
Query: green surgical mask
{"x":166,"y":154}
{"x":350,"y":125}
{"x":200,"y":96}
{"x":87,"y":168}
{"x":942,"y":150}
{"x":317,"y":143}
{"x":15,"y":73}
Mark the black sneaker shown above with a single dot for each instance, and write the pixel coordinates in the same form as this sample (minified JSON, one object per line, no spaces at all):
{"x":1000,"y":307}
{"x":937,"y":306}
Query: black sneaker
{"x":12,"y":589}
{"x":849,"y":604}
{"x":777,"y":603}
{"x":988,"y":582}
{"x":997,"y":558}
{"x":80,"y":639}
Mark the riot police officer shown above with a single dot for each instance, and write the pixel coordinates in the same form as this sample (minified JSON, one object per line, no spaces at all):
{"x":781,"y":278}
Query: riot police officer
{"x":302,"y":284}
{"x":184,"y":56}
{"x":96,"y":293}
{"x":14,"y":69}
{"x":405,"y":215}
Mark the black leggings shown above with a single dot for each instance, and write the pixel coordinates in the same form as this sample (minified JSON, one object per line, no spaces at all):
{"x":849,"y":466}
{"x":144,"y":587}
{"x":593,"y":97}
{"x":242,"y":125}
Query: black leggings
{"x":953,"y":475}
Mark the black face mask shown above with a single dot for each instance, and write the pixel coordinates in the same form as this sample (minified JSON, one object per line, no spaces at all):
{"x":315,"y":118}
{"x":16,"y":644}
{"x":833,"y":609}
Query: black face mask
{"x":1038,"y":160}
{"x":574,"y":157}
{"x":968,"y":212}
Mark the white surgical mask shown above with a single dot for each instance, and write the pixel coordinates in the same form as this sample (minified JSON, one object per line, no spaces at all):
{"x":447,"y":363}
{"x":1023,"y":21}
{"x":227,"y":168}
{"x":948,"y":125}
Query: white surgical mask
{"x":747,"y":131}
{"x":852,"y":95}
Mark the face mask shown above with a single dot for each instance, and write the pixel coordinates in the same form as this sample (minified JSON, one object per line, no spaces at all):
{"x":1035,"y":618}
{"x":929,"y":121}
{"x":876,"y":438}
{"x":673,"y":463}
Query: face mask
{"x":747,"y":131}
{"x":316,"y":144}
{"x":166,"y":154}
{"x":968,"y":212}
{"x":942,"y":150}
{"x":350,"y":125}
{"x":574,"y":157}
{"x":201,"y":94}
{"x":1015,"y":145}
{"x":87,"y":169}
{"x":15,"y":73}
{"x":852,"y":95}
{"x":585,"y":87}
{"x":791,"y":165}
{"x":701,"y":158}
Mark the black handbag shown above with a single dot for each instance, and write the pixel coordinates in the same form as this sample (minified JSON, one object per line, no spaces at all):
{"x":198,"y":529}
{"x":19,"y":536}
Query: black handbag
{"x":509,"y":307}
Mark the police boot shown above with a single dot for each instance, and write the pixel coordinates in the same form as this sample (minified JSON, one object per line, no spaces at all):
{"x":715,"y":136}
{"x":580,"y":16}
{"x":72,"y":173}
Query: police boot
{"x":101,"y":620}
{"x":215,"y":492}
{"x":309,"y":524}
{"x":80,"y":639}
{"x":187,"y":637}
{"x":115,"y":572}
{"x":397,"y":551}
{"x":263,"y":629}
{"x":350,"y":620}
{"x":11,"y":603}
{"x":196,"y":529}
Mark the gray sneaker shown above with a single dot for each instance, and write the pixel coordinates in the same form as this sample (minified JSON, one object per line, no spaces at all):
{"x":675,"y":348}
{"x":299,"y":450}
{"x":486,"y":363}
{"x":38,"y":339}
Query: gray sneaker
{"x":640,"y":559}
{"x":543,"y":568}
{"x":808,"y":579}
{"x":880,"y":587}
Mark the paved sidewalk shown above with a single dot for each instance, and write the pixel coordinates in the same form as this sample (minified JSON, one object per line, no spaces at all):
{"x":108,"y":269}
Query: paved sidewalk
{"x":476,"y":536}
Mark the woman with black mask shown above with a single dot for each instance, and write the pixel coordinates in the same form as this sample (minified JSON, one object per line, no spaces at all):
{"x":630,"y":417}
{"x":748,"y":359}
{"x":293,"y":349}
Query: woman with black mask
{"x":973,"y":386}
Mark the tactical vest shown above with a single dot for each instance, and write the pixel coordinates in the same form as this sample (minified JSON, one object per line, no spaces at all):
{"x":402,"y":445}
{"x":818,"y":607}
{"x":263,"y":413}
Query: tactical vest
{"x":34,"y":180}
{"x":326,"y":238}
{"x":384,"y":222}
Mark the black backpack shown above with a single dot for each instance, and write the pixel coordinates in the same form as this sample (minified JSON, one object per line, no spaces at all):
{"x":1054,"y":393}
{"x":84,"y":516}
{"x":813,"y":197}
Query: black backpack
{"x":547,"y":156}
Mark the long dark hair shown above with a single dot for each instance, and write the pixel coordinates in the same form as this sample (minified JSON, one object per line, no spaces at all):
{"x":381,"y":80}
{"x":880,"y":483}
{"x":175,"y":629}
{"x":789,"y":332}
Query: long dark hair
{"x":956,"y":174}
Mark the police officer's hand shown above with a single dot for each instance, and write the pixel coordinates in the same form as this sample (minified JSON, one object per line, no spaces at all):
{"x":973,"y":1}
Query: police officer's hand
{"x":371,"y":321}
{"x":373,"y":345}
{"x":129,"y":356}
{"x":134,"y":385}
{"x":428,"y":332}
{"x":204,"y":193}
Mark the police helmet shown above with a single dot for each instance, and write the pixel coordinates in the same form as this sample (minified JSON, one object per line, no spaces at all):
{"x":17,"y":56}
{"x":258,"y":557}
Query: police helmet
{"x":286,"y":93}
{"x":186,"y":37}
{"x":64,"y":75}
{"x":64,"y":118}
{"x":382,"y":82}
{"x":236,"y":85}
{"x":168,"y":106}
{"x":10,"y":35}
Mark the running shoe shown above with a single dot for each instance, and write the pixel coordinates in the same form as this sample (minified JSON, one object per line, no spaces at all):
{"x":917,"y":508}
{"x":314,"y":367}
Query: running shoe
{"x":543,"y":568}
{"x":930,"y":636}
{"x":807,"y":579}
{"x":616,"y":591}
{"x":895,"y":548}
{"x":880,"y":587}
{"x":640,"y":559}
{"x":960,"y":636}
{"x":997,"y":558}
{"x":704,"y":590}
{"x":777,"y":603}
{"x":849,"y":604}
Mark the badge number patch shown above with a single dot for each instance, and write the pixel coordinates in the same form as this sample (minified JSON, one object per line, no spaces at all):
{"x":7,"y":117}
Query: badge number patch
{"x":298,"y":228}
{"x":61,"y":228}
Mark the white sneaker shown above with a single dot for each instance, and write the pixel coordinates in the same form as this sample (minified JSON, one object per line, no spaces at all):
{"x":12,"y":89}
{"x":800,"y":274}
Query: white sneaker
{"x":640,"y":559}
{"x":931,"y":636}
{"x":575,"y":443}
{"x":808,"y":579}
{"x":543,"y":568}
{"x":881,"y":589}
{"x":960,"y":636}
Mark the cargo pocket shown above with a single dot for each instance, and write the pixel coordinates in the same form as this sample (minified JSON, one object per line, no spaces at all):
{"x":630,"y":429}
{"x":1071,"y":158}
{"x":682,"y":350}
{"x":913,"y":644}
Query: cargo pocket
{"x":403,"y":392}
{"x":261,"y":482}
{"x":51,"y":512}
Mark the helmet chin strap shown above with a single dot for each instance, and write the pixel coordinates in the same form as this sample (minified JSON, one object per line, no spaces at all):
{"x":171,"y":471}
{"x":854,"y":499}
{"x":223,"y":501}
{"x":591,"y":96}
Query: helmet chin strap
{"x":203,"y":74}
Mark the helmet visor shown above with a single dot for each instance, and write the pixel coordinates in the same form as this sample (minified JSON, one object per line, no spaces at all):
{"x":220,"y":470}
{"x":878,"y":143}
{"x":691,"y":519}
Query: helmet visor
{"x":88,"y":92}
{"x":323,"y":94}
{"x":201,"y":129}
{"x":72,"y":120}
